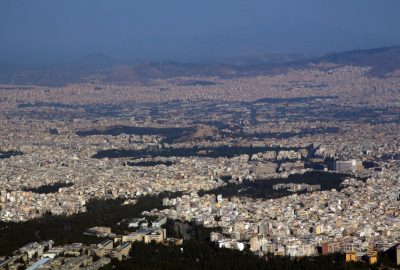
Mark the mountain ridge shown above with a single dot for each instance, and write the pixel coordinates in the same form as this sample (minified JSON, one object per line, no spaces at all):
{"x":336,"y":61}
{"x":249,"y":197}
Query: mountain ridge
{"x":102,"y":68}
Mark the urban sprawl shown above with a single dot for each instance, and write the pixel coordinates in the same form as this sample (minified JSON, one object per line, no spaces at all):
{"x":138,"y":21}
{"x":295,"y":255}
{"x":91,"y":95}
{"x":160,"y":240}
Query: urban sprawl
{"x":242,"y":155}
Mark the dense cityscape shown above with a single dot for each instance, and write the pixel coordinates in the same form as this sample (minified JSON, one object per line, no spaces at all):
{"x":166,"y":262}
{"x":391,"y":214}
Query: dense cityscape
{"x":199,"y":135}
{"x":306,"y":171}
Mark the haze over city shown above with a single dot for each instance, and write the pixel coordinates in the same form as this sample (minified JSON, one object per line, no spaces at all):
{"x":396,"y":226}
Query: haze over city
{"x":199,"y":135}
{"x":50,"y":31}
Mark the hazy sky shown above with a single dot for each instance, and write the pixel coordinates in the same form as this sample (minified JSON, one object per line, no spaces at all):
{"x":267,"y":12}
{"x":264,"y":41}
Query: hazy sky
{"x":192,"y":29}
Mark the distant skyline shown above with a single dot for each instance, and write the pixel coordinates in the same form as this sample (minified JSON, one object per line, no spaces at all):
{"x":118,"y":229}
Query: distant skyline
{"x":47,"y":31}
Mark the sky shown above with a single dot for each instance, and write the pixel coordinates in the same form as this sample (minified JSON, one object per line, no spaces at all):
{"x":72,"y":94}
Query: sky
{"x":191,"y":30}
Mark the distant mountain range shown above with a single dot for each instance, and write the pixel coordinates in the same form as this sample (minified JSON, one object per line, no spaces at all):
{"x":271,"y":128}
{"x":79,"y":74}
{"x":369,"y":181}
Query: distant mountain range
{"x":381,"y":60}
{"x":102,"y":68}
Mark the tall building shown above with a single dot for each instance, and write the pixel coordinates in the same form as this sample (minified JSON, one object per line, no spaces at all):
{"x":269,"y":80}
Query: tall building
{"x":327,"y":248}
{"x":255,"y":244}
{"x":348,"y":166}
{"x":121,"y":251}
{"x":104,"y":248}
